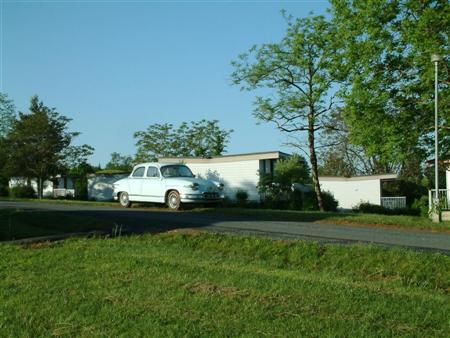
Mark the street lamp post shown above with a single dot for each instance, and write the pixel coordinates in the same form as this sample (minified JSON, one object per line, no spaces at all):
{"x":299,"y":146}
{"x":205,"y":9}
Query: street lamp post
{"x":435,"y":58}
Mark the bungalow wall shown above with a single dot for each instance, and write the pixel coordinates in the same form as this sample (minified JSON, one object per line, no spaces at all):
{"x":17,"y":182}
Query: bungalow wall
{"x":234,"y":175}
{"x":350,"y":192}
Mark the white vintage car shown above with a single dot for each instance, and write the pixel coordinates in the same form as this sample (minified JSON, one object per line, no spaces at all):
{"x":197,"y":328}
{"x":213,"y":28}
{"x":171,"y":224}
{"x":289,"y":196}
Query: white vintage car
{"x":173,"y":184}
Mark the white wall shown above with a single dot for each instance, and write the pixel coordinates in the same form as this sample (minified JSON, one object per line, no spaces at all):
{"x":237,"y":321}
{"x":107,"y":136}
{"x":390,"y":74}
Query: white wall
{"x":349,"y":193}
{"x":234,"y":175}
{"x":100,"y":187}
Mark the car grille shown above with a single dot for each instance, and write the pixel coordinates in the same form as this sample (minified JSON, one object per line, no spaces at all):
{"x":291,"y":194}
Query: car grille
{"x":210,"y":195}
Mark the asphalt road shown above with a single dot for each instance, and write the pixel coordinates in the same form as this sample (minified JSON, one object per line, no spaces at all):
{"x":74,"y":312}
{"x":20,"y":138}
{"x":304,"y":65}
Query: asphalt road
{"x":144,"y":220}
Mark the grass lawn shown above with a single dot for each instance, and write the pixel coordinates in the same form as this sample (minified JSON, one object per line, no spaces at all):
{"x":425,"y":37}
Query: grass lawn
{"x":209,"y":285}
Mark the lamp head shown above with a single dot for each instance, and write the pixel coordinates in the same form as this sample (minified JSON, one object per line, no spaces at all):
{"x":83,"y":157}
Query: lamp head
{"x":436,"y":58}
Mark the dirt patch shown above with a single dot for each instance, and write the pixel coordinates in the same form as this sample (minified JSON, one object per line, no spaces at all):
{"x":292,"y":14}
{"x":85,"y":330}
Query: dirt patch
{"x":380,"y":225}
{"x":187,"y":231}
{"x":38,"y":245}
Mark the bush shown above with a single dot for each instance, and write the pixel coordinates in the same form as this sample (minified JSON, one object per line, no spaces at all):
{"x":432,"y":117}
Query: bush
{"x":421,"y":205}
{"x":241,"y":196}
{"x":310,"y":201}
{"x":378,"y":209}
{"x":22,"y":191}
{"x":329,"y":202}
{"x":81,"y":189}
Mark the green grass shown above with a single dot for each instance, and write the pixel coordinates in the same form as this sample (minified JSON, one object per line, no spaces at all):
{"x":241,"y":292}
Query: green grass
{"x":17,"y":223}
{"x":204,"y":285}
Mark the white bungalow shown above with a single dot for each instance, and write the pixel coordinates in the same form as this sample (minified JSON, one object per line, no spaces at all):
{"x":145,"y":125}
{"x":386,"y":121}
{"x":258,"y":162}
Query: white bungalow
{"x":236,"y":172}
{"x":351,"y":191}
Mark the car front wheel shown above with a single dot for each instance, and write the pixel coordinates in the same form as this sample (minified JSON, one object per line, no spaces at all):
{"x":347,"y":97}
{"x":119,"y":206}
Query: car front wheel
{"x":124,"y":200}
{"x":173,"y":200}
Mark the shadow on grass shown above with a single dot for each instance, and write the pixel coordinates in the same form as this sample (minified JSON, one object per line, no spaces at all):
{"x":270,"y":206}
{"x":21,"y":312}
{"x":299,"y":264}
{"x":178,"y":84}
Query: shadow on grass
{"x":18,"y":223}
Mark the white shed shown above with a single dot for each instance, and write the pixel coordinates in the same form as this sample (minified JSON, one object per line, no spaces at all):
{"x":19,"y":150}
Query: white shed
{"x":351,"y":191}
{"x":236,"y":172}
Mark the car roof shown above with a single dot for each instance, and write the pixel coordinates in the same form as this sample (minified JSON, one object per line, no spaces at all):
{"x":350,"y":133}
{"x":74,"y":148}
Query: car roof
{"x":154,"y":164}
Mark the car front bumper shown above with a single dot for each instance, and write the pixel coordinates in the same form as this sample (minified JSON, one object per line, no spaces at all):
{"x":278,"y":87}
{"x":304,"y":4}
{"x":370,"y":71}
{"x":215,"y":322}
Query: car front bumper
{"x":201,"y":197}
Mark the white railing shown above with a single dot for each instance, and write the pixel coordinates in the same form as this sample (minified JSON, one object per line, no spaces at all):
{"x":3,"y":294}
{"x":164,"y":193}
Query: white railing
{"x":393,"y":202}
{"x":444,"y":198}
{"x":63,"y":193}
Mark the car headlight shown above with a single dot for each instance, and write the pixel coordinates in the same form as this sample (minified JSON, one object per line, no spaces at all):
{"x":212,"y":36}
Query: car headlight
{"x":193,"y":186}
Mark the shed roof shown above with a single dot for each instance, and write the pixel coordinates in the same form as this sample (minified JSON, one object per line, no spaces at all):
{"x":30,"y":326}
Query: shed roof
{"x":383,"y":177}
{"x":267,"y":155}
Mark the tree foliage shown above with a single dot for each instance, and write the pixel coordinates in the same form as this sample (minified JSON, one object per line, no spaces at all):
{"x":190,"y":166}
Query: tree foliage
{"x":7,"y":115}
{"x":199,"y":138}
{"x":120,"y":162}
{"x":296,"y":74}
{"x":389,"y":79}
{"x":40,"y":144}
{"x":287,"y":172}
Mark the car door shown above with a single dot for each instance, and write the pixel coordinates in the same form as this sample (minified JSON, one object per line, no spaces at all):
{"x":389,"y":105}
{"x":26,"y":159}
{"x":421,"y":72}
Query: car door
{"x":135,"y":183}
{"x":153,"y":185}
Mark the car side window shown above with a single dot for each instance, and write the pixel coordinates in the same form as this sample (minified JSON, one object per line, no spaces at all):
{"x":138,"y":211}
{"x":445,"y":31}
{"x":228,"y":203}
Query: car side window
{"x":139,"y":172}
{"x":152,"y":172}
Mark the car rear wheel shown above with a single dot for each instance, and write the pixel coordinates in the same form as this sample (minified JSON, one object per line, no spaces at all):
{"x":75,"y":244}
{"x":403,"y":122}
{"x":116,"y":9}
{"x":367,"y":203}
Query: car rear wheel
{"x":173,"y":200}
{"x":124,"y":200}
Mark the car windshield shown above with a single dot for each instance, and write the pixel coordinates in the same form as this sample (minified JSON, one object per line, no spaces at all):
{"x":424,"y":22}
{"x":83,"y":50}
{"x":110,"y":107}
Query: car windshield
{"x":176,"y":171}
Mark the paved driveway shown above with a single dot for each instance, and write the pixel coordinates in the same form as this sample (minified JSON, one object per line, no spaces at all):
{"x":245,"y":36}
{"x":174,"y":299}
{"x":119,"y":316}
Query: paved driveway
{"x":142,"y":220}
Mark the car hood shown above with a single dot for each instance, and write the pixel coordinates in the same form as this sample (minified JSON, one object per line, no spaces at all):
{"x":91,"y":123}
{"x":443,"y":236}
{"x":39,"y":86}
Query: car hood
{"x":203,"y":184}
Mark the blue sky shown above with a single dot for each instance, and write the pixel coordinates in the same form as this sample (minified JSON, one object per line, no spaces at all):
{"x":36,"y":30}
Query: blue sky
{"x":116,"y":67}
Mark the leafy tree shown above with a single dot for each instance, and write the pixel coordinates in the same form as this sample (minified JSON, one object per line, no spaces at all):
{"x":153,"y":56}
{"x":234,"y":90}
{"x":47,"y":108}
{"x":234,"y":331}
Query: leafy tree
{"x":278,"y":187}
{"x":120,"y":162}
{"x":291,"y":170}
{"x":7,"y":115}
{"x":296,"y":74}
{"x":41,"y":143}
{"x":201,"y":139}
{"x":385,"y":59}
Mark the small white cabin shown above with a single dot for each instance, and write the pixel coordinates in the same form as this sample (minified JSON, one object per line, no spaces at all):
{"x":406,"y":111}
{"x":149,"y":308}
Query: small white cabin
{"x":351,"y":191}
{"x":236,"y":172}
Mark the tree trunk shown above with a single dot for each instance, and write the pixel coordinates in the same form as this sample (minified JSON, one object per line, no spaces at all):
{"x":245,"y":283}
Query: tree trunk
{"x":40,"y":188}
{"x":314,"y":169}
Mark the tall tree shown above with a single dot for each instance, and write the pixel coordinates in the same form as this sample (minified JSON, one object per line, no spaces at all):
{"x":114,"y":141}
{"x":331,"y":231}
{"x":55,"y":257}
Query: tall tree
{"x":199,"y":138}
{"x":41,"y":142}
{"x":120,"y":162}
{"x":386,"y":47}
{"x":7,"y":117}
{"x":297,"y":76}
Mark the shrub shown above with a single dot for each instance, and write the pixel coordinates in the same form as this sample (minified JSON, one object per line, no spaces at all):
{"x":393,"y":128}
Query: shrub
{"x":22,"y":191}
{"x":241,"y":196}
{"x":329,"y":202}
{"x":310,"y":201}
{"x":378,"y":209}
{"x":81,"y":189}
{"x":421,"y":205}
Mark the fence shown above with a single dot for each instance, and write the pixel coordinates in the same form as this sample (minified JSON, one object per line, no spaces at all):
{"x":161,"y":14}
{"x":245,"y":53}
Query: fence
{"x":444,"y":198}
{"x":63,"y":193}
{"x":393,"y":202}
